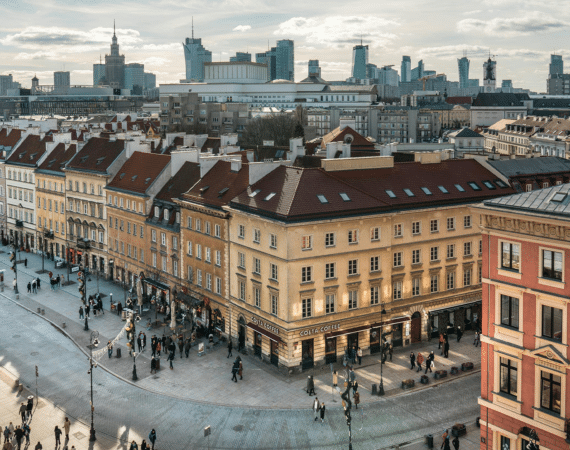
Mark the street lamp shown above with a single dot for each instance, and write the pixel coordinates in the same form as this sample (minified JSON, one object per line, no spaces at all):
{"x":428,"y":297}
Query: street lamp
{"x":47,"y":235}
{"x":381,"y":387}
{"x":94,"y":343}
{"x":347,"y":405}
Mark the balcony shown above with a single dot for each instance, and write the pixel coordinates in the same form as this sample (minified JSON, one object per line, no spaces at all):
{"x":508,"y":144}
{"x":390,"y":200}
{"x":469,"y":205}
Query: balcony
{"x":19,"y":224}
{"x":83,"y":243}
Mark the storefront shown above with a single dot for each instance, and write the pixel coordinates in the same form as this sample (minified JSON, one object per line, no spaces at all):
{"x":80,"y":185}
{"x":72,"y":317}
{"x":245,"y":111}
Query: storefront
{"x":447,"y":319}
{"x":265,"y":338}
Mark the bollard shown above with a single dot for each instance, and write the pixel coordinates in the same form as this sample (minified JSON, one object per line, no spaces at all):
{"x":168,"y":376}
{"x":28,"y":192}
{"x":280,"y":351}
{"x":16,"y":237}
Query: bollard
{"x":118,"y":352}
{"x":20,"y":388}
{"x":429,"y":440}
{"x":374,"y":389}
{"x":17,"y":383}
{"x":63,"y":325}
{"x":39,"y":310}
{"x":43,"y":312}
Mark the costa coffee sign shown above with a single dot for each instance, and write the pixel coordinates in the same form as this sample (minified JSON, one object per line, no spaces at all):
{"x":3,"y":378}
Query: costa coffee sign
{"x":323,"y":329}
{"x":265,"y":325}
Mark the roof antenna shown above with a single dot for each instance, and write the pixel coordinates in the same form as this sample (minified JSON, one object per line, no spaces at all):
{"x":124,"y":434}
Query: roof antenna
{"x":192,"y":27}
{"x":114,"y":34}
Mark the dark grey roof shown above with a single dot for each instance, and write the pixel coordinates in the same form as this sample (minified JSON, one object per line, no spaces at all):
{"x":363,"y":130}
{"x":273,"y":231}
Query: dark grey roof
{"x":541,"y":201}
{"x":468,"y":133}
{"x":314,"y":79}
{"x":352,"y":88}
{"x":500,"y":99}
{"x":436,"y":106}
{"x":530,"y":166}
{"x":550,"y":103}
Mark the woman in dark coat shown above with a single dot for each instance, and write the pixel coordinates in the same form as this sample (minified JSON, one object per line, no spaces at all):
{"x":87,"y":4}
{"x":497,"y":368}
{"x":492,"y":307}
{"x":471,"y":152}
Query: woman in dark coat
{"x":240,"y":370}
{"x":322,"y":412}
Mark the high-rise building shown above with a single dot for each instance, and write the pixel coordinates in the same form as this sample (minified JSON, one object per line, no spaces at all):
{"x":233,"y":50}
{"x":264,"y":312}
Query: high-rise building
{"x":115,"y":65}
{"x":359,"y":61}
{"x":285,"y":60}
{"x":6,"y":82}
{"x":134,"y":76}
{"x":417,"y":72}
{"x":463,"y":66}
{"x":268,"y":58}
{"x":314,"y":68}
{"x":61,"y":79}
{"x":371,"y":71}
{"x":556,"y":66}
{"x":195,"y":56}
{"x":489,"y":75}
{"x":387,"y":76}
{"x":98,"y":74}
{"x":241,"y":57}
{"x":149,"y":80}
{"x":406,"y":69}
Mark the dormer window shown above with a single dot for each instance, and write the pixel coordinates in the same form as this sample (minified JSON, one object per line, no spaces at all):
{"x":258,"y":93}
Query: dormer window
{"x":156,"y":212}
{"x":166,"y":214}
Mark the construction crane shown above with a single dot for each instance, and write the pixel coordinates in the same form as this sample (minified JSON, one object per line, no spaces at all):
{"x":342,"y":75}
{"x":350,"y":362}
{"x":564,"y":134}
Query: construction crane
{"x":428,"y":77}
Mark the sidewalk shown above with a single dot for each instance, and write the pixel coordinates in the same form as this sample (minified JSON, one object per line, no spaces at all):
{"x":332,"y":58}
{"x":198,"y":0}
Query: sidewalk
{"x":262,"y":386}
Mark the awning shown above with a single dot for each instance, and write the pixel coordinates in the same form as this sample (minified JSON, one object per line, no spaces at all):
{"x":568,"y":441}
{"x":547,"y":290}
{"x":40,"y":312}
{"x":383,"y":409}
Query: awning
{"x":263,"y":331}
{"x":157,"y":284}
{"x":189,"y":300}
{"x":345,"y":332}
{"x":454,"y":307}
{"x":393,"y":321}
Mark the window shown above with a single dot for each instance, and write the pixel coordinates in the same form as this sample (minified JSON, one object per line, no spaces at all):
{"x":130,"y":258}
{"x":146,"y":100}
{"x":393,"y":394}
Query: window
{"x":352,"y":299}
{"x":374,"y":295}
{"x":329,"y":240}
{"x":552,"y":264}
{"x":163,"y":238}
{"x":375,"y":234}
{"x":479,"y":274}
{"x":510,"y":311}
{"x":352,"y":236}
{"x":174,"y":241}
{"x":218,"y":258}
{"x":416,"y":228}
{"x":257,"y":296}
{"x":550,"y":391}
{"x":434,"y":283}
{"x":451,"y":223}
{"x":190,"y":223}
{"x":416,"y":282}
{"x":274,"y":304}
{"x":190,"y":274}
{"x":306,"y":242}
{"x":199,"y":251}
{"x":273,"y":271}
{"x":329,"y":303}
{"x":459,"y":188}
{"x":208,"y":228}
{"x":198,"y":224}
{"x":217,"y":231}
{"x":434,"y":225}
{"x":273,"y":240}
{"x":306,"y":274}
{"x":398,"y":230}
{"x":416,"y":256}
{"x":397,"y":288}
{"x":397,"y":259}
{"x":189,"y":248}
{"x":208,"y":281}
{"x":307,"y":307}
{"x":467,"y":277}
{"x":508,"y":376}
{"x":434,"y":254}
{"x":208,"y":255}
{"x":153,"y":256}
{"x":467,"y":249}
{"x":199,"y":279}
{"x":241,"y":260}
{"x":164,"y":268}
{"x":219,"y":285}
{"x":510,"y":256}
{"x":353,"y":267}
{"x":466,"y":221}
{"x":450,"y":279}
{"x":450,"y":251}
{"x":256,"y":265}
{"x":152,"y":234}
{"x":374,"y":264}
{"x":242,"y":290}
{"x":552,"y":322}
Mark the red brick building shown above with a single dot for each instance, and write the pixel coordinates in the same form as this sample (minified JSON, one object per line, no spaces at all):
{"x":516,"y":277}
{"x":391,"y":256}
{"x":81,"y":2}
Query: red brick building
{"x":525,"y":353}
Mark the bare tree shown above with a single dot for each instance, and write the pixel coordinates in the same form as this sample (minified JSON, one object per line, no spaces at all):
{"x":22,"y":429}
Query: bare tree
{"x":276,"y":127}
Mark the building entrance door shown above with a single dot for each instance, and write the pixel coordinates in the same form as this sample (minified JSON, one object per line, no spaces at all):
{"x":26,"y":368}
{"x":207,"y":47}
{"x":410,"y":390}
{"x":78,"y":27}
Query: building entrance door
{"x":330,"y":350}
{"x":397,"y":335}
{"x":416,"y":328}
{"x":307,"y":355}
{"x":274,"y":353}
{"x":241,"y":333}
{"x":257,"y":344}
{"x":352,"y":344}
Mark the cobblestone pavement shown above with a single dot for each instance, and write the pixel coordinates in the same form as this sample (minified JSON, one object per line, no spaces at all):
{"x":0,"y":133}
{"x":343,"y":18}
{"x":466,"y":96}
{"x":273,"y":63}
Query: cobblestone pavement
{"x":263,"y":386}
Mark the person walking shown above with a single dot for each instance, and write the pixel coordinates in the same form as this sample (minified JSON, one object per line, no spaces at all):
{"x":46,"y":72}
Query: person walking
{"x":152,"y":438}
{"x":57,"y":433}
{"x":152,"y":365}
{"x":235,"y":370}
{"x":39,"y":283}
{"x":445,"y":441}
{"x":335,"y":379}
{"x":412,"y":360}
{"x":171,"y":358}
{"x":66,"y":427}
{"x":356,"y":399}
{"x":34,"y":287}
{"x":81,"y":313}
{"x":230,"y":346}
{"x":440,"y":342}
{"x":158,"y":347}
{"x":139,"y":342}
{"x":109,"y":349}
{"x":429,"y":363}
{"x":144,"y":341}
{"x":390,"y":350}
{"x":419,"y":361}
{"x":144,"y":446}
{"x":38,"y":446}
{"x":29,"y":287}
{"x":459,"y":334}
{"x":134,"y":446}
{"x":477,"y":339}
{"x":14,"y":284}
{"x":153,"y":343}
{"x":6,"y":433}
{"x":27,"y":431}
{"x":87,"y":309}
{"x":26,"y":263}
{"x":23,"y":412}
{"x":355,"y":387}
{"x":180,"y":345}
{"x":359,"y":354}
{"x":455,"y":443}
{"x":323,"y":409}
{"x":187,"y":346}
{"x":29,"y":407}
{"x":316,"y":407}
{"x":240,"y":369}
{"x":19,"y":434}
{"x":446,"y":349}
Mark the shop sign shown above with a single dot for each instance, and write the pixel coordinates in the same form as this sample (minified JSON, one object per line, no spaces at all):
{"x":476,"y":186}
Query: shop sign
{"x":265,"y":325}
{"x":323,"y":329}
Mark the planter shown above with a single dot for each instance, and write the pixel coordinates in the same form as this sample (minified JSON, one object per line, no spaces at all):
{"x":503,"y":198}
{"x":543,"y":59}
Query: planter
{"x":440,"y":374}
{"x":408,"y":384}
{"x":454,"y":370}
{"x":424,"y":379}
{"x":467,"y":366}
{"x":458,"y":430}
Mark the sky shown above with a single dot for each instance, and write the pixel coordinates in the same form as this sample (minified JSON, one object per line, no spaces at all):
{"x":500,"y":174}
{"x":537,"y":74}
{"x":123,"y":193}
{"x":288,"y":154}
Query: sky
{"x":43,"y":36}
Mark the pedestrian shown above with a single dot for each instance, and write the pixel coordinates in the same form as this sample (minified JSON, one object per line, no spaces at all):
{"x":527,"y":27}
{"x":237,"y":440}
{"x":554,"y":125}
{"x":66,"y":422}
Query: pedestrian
{"x":39,"y":446}
{"x":139,"y":342}
{"x":158,"y":347}
{"x":23,"y":412}
{"x":100,"y":304}
{"x":134,"y":446}
{"x":81,"y":313}
{"x":180,"y":345}
{"x":153,"y":343}
{"x":6,"y":433}
{"x":152,"y":365}
{"x":152,"y":438}
{"x":235,"y":370}
{"x":14,"y":284}
{"x":316,"y":408}
{"x":310,"y":386}
{"x":26,"y":262}
{"x":323,"y":409}
{"x":119,"y":308}
{"x":27,"y":432}
{"x":29,"y":287}
{"x":390,"y":350}
{"x":38,"y":282}
{"x":171,"y":358}
{"x":143,"y":445}
{"x":87,"y":309}
{"x":356,"y":399}
{"x":144,"y":341}
{"x":19,"y":434}
{"x":34,"y":287}
{"x":229,"y":347}
{"x":419,"y":361}
{"x":335,"y":379}
{"x":477,"y":340}
{"x":187,"y":346}
{"x":445,"y":441}
{"x":163,"y":341}
{"x":29,"y":406}
{"x":446,"y":349}
{"x":109,"y":349}
{"x":57,"y":433}
{"x":429,"y":363}
{"x":353,"y":354}
{"x":440,"y":342}
{"x":455,"y":443}
{"x":240,"y":370}
{"x":355,"y":387}
{"x":359,"y":354}
{"x":66,"y":427}
{"x":459,"y":334}
{"x":412,"y":360}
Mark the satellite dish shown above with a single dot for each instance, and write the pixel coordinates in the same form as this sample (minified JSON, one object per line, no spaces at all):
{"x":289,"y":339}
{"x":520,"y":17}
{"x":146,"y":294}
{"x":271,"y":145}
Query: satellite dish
{"x":348,"y":139}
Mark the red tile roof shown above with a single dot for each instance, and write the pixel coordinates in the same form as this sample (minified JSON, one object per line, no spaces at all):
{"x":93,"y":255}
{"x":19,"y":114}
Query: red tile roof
{"x":459,"y":100}
{"x":180,"y":183}
{"x":139,"y":172}
{"x":212,"y":144}
{"x":97,"y":155}
{"x":358,"y":141}
{"x":57,"y":159}
{"x":9,"y":140}
{"x":29,"y":151}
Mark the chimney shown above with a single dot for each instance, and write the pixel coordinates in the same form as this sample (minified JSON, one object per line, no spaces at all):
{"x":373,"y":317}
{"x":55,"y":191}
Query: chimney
{"x":346,"y":150}
{"x":331,"y":149}
{"x":235,"y":165}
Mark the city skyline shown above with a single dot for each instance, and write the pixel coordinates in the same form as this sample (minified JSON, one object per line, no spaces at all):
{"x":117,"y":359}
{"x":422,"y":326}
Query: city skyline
{"x":153,"y":35}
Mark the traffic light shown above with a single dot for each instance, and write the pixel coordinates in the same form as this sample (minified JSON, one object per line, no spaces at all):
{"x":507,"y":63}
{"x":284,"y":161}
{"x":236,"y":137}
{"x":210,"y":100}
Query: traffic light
{"x":81,"y":279}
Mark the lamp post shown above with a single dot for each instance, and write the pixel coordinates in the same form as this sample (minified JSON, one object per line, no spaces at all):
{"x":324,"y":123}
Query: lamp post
{"x":381,"y":387}
{"x":15,"y":268}
{"x":347,"y":405}
{"x":94,"y":343}
{"x":47,"y":235}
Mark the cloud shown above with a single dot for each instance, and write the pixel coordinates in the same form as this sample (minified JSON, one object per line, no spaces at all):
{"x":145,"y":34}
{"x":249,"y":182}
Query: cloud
{"x":533,"y":22}
{"x":242,"y":28}
{"x":339,"y":31}
{"x":476,"y":51}
{"x":152,"y":61}
{"x":36,"y":55}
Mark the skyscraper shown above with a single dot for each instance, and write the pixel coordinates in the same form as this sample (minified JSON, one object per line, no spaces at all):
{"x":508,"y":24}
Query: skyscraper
{"x":270,"y":59}
{"x":61,"y":79}
{"x":359,"y":61}
{"x":134,"y":76}
{"x":241,"y":57}
{"x":388,"y":76}
{"x":463,"y":65}
{"x":417,"y":72}
{"x":285,"y":60}
{"x":195,"y":56}
{"x":149,"y":80}
{"x":115,"y":65}
{"x":314,"y":68}
{"x":556,"y":66}
{"x":406,"y":69}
